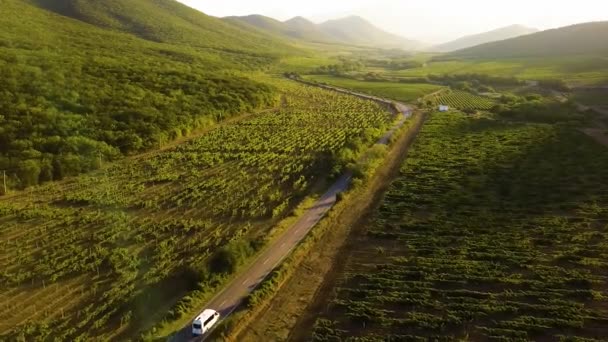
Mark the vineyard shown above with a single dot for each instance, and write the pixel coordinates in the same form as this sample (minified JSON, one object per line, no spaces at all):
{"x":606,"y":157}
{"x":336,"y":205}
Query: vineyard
{"x":494,"y":231}
{"x":462,"y":100}
{"x":89,"y":257}
{"x":403,"y":92}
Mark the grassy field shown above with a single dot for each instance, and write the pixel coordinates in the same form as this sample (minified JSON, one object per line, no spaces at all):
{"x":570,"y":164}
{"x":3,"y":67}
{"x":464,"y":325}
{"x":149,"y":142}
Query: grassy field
{"x":577,"y":70}
{"x":92,"y":256}
{"x":404,"y":92}
{"x":493,"y":231}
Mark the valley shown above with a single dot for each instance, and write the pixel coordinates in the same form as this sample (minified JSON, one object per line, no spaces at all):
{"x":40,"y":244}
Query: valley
{"x":307,"y":179}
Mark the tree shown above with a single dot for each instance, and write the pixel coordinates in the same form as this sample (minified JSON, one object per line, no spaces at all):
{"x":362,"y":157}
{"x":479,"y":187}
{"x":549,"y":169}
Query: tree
{"x":28,"y":172}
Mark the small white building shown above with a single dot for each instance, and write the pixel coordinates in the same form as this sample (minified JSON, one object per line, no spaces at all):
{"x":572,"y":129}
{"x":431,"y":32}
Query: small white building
{"x":444,"y":108}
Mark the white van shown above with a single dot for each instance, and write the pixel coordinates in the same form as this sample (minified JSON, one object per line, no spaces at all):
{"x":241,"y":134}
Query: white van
{"x":203,"y":322}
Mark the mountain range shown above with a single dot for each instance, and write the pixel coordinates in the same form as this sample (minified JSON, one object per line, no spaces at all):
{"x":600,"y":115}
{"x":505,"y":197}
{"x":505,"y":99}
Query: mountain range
{"x":352,"y":30}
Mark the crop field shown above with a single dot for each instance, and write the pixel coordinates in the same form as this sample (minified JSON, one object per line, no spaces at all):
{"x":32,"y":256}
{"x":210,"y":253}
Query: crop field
{"x":88,"y":257}
{"x":404,"y":92}
{"x":462,"y":100}
{"x":575,"y":70}
{"x":493,"y":231}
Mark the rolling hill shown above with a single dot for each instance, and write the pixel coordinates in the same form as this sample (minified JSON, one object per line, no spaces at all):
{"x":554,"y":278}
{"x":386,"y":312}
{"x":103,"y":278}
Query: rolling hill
{"x":486,"y":37}
{"x":84,"y":80}
{"x":351,"y":30}
{"x":162,"y":21}
{"x":295,"y":28}
{"x":357,"y":31}
{"x":580,"y":39}
{"x":302,"y":28}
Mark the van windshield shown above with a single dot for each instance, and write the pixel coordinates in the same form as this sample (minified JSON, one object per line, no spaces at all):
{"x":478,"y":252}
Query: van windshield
{"x":196,"y":326}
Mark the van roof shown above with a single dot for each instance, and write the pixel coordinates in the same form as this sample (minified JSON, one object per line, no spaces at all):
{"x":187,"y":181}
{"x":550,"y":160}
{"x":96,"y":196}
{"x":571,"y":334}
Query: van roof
{"x":205,"y":314}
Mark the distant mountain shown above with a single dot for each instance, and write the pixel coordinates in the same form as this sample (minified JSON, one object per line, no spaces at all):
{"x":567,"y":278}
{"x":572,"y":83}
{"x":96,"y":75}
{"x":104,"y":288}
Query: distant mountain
{"x":581,"y":39}
{"x":295,"y":28}
{"x":357,"y":31}
{"x":302,"y":28}
{"x":486,"y":37}
{"x":349,"y":31}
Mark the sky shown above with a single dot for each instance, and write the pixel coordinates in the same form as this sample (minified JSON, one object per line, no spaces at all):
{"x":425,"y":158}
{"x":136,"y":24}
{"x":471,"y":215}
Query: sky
{"x":430,"y":21}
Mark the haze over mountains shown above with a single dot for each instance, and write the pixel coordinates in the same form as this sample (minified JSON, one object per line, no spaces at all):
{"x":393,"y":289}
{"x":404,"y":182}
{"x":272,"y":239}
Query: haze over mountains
{"x":352,"y":30}
{"x":485,"y":37}
{"x":580,"y":39}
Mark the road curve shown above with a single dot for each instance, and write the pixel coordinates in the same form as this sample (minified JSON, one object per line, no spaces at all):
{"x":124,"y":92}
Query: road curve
{"x":236,"y":291}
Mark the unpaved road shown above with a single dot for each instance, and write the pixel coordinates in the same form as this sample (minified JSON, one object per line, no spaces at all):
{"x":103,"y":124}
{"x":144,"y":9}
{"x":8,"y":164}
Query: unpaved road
{"x":236,"y":291}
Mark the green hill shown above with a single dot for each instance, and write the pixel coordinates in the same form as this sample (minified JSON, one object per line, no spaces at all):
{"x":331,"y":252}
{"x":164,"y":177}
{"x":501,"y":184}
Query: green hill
{"x":486,"y":37}
{"x":581,"y":39}
{"x":162,"y":21}
{"x":84,"y":82}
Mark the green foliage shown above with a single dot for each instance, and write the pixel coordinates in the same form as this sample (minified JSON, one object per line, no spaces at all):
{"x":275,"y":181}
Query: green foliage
{"x":537,"y":109}
{"x":229,"y":257}
{"x":492,"y":229}
{"x":345,"y":66}
{"x":166,"y":21}
{"x":369,"y":161}
{"x":68,"y":104}
{"x":162,"y":230}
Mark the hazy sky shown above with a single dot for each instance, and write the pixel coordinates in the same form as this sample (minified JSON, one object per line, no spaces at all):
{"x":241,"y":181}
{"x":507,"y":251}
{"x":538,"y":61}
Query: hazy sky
{"x":432,"y":21}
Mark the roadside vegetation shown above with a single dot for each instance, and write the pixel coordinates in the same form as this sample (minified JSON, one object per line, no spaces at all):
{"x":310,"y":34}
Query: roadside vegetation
{"x":494,"y":230}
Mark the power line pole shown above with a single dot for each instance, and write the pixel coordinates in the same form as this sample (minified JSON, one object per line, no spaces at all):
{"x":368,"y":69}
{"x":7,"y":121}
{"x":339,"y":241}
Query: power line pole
{"x":4,"y":181}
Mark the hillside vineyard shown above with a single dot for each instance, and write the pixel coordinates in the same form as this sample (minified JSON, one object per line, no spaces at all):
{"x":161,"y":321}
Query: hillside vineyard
{"x":83,"y":251}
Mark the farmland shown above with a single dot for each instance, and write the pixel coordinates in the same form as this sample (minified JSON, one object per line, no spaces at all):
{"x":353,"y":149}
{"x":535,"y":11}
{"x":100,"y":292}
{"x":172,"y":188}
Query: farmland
{"x":575,"y":70}
{"x":493,"y":230}
{"x":92,"y":256}
{"x":404,"y":92}
{"x":462,"y":100}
